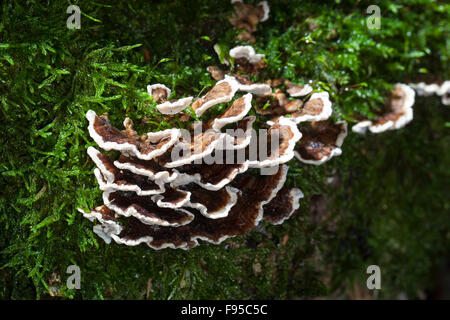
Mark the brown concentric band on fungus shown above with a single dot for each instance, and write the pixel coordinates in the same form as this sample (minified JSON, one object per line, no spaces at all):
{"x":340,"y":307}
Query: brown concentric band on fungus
{"x":145,"y":210}
{"x":211,"y":177}
{"x":286,"y":133}
{"x":159,"y":92}
{"x":149,"y":168}
{"x":172,"y":198}
{"x":248,"y":16}
{"x":109,"y":177}
{"x":317,"y":108}
{"x":243,"y":217}
{"x":400,"y":112}
{"x":239,"y":137}
{"x":196,"y":148}
{"x":299,"y":91}
{"x":282,"y":206}
{"x":247,"y":85}
{"x":223,"y":91}
{"x":212,"y":204}
{"x":238,"y":110}
{"x":321,"y":141}
{"x":108,"y":138}
{"x":146,"y":189}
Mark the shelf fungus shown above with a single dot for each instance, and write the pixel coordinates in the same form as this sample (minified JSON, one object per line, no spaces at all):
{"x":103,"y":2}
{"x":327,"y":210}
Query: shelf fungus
{"x":302,"y":105}
{"x":223,"y":91}
{"x":247,"y":62}
{"x":246,"y":17}
{"x":399,"y":112}
{"x":280,"y":208}
{"x":244,"y":215}
{"x":298,"y":91}
{"x":321,"y":141}
{"x":145,"y":147}
{"x":441,"y":89}
{"x":174,"y":106}
{"x":315,"y":108}
{"x":282,"y":136}
{"x":152,"y":196}
{"x":159,"y":92}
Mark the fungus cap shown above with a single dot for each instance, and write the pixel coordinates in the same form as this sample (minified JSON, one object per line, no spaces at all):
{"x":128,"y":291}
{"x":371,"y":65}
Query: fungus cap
{"x":223,"y":91}
{"x":159,"y":92}
{"x":174,"y":106}
{"x":400,"y":112}
{"x":321,"y":141}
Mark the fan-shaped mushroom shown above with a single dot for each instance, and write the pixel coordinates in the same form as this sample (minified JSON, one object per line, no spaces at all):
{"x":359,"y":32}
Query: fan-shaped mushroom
{"x":399,"y":114}
{"x":321,"y":141}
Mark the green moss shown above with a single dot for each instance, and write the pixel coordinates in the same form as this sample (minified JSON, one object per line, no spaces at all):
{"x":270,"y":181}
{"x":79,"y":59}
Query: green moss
{"x":390,"y":208}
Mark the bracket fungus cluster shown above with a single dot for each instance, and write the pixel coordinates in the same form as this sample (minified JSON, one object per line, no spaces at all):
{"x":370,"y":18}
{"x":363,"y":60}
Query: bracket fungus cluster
{"x":172,"y":188}
{"x":154,"y":195}
{"x":299,"y":104}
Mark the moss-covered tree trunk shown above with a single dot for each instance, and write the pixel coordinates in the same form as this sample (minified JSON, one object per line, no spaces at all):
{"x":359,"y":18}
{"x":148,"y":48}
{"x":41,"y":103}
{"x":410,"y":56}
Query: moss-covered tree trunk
{"x":383,"y":202}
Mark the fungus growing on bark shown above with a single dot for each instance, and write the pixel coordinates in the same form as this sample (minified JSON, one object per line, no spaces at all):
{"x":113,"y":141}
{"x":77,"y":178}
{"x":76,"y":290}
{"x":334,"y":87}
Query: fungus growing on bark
{"x":282,"y":206}
{"x":152,"y":197}
{"x":247,"y":60}
{"x":286,"y":135}
{"x":223,"y":91}
{"x":159,"y":92}
{"x":316,"y":108}
{"x":321,"y":141}
{"x":399,"y":113}
{"x":146,"y":147}
{"x":298,"y":91}
{"x":247,"y":212}
{"x":442,"y":90}
{"x":246,"y":17}
{"x":174,"y":106}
